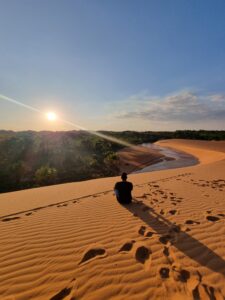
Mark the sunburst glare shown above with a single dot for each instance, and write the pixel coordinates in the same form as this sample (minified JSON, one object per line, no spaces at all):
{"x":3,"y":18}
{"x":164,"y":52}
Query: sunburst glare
{"x":51,"y":116}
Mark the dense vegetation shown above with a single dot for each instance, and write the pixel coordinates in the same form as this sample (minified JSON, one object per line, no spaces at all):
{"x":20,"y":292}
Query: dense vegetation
{"x":29,"y":159}
{"x":135,"y":137}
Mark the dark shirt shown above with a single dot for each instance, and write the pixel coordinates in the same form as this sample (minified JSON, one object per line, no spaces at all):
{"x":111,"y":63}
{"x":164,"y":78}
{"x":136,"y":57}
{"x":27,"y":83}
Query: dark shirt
{"x":124,"y":189}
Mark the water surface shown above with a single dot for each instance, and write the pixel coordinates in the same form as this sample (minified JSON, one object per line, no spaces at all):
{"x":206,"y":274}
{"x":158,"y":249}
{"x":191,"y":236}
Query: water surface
{"x":173,"y":159}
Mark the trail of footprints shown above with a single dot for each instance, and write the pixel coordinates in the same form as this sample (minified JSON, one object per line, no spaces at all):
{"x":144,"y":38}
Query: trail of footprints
{"x":143,"y":255}
{"x":217,"y":184}
{"x":198,"y":288}
{"x":158,"y":196}
{"x":155,"y":192}
{"x":30,"y":212}
{"x":141,"y":252}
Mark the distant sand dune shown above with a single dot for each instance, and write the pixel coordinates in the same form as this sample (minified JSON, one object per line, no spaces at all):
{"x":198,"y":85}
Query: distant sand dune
{"x":74,"y":241}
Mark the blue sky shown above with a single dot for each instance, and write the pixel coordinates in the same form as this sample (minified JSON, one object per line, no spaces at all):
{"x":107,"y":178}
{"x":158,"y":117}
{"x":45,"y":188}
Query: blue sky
{"x":114,"y":65}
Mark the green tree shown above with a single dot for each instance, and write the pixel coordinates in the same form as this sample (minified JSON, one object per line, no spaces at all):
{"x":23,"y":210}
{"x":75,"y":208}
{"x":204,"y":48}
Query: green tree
{"x":46,"y":175}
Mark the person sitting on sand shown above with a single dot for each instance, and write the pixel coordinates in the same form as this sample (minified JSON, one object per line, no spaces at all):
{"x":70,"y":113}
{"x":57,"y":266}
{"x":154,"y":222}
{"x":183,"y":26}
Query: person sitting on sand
{"x":123,"y":190}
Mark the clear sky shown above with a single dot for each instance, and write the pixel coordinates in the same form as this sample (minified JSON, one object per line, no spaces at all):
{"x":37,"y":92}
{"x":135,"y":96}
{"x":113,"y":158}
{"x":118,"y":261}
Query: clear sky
{"x":113,"y":64}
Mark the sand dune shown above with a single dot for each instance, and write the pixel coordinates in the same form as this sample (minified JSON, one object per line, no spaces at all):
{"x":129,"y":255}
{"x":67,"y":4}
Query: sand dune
{"x":74,"y":241}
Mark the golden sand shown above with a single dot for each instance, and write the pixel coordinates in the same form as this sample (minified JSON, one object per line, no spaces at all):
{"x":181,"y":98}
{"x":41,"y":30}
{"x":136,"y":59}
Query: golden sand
{"x":74,"y":241}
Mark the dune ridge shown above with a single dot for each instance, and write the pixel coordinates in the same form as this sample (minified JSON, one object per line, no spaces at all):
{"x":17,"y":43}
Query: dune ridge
{"x":74,"y":241}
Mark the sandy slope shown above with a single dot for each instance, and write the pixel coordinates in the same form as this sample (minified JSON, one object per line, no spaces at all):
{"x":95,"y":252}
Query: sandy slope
{"x":169,"y":244}
{"x":137,"y":157}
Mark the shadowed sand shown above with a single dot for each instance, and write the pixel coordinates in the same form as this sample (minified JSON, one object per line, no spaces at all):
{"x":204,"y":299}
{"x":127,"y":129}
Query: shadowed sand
{"x":173,"y":234}
{"x":75,"y":241}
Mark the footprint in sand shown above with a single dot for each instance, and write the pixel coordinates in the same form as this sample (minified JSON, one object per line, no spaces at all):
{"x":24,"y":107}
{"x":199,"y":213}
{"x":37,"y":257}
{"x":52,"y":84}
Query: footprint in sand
{"x":10,"y":219}
{"x":183,"y":276}
{"x":62,"y":294}
{"x":93,"y":253}
{"x":173,"y":211}
{"x":212,"y":218}
{"x":191,"y":222}
{"x":171,"y":236}
{"x":141,"y":230}
{"x":127,"y":246}
{"x":142,"y":254}
{"x":144,"y":196}
{"x":165,"y":239}
{"x":170,"y":255}
{"x":149,"y":234}
{"x":203,"y":291}
{"x":164,"y":273}
{"x":180,"y":274}
{"x":175,"y":229}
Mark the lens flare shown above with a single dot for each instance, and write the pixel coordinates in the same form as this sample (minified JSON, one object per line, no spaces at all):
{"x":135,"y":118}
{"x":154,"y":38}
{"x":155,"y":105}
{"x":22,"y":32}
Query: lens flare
{"x":51,"y":116}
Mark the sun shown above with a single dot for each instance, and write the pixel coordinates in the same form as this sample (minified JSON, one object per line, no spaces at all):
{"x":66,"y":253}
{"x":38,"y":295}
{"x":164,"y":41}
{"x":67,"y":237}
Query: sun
{"x":51,"y":116}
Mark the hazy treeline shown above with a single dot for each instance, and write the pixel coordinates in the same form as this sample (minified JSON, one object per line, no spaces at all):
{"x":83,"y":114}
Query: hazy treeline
{"x":30,"y":159}
{"x":153,"y":136}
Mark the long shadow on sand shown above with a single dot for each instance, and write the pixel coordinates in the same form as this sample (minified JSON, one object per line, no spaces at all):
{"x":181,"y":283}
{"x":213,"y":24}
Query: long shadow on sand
{"x":182,"y":241}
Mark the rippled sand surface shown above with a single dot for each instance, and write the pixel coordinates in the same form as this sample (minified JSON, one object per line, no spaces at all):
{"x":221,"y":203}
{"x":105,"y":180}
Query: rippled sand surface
{"x":74,"y":241}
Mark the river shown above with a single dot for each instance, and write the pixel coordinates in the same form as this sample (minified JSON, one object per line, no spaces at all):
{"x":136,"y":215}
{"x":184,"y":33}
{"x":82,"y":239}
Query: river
{"x":173,"y":159}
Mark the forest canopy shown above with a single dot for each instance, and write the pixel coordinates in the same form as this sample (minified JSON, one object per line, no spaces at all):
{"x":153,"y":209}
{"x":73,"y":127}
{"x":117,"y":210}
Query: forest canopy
{"x":31,"y":159}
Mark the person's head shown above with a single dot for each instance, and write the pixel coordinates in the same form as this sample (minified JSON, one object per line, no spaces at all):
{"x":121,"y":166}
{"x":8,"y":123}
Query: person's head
{"x":124,"y":176}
